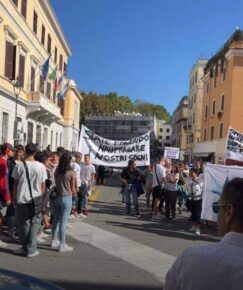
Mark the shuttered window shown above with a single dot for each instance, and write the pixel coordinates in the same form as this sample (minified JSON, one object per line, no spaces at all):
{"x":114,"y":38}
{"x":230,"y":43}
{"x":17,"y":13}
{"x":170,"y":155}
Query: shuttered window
{"x":10,"y":60}
{"x":35,"y":22}
{"x":55,"y":55}
{"x":65,"y":68}
{"x":24,"y":8}
{"x":43,"y":34}
{"x":4,"y":127}
{"x":61,"y":105}
{"x":60,"y":62}
{"x":41,"y":88}
{"x":21,"y":70}
{"x":32,"y":79}
{"x":48,"y":90}
{"x":49,"y":44}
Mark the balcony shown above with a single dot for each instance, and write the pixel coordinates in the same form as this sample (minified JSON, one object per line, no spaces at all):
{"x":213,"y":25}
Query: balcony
{"x":42,"y":109}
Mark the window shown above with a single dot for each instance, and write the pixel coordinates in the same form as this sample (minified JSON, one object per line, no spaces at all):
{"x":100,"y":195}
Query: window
{"x":32,"y":79}
{"x":161,"y":130}
{"x":195,"y":97}
{"x":4,"y":127}
{"x":206,"y":111}
{"x":21,"y":70}
{"x":61,"y":106}
{"x":15,"y":2}
{"x":51,"y":139}
{"x":207,"y":88}
{"x":48,"y":90}
{"x":35,"y":22}
{"x":168,"y":130}
{"x":56,"y":139}
{"x":205,"y":135}
{"x":24,"y":8}
{"x":215,"y":80}
{"x":160,"y":137}
{"x":221,"y":131}
{"x":49,"y":44}
{"x":224,"y":74}
{"x":222,"y":103}
{"x":10,"y":60}
{"x":213,"y":108}
{"x":193,"y":118}
{"x":30,"y":132}
{"x":42,"y":85}
{"x":212,"y":133}
{"x":55,"y":55}
{"x":167,"y":137}
{"x":196,"y":77}
{"x":65,"y":68}
{"x":43,"y":34}
{"x":60,"y":62}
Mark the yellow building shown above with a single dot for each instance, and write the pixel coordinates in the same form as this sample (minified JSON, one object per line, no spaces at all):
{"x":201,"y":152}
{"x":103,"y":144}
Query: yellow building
{"x":222,"y":98}
{"x":29,"y":34}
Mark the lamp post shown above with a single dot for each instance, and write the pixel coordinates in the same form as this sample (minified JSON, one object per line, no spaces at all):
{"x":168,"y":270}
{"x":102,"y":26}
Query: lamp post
{"x":16,"y":87}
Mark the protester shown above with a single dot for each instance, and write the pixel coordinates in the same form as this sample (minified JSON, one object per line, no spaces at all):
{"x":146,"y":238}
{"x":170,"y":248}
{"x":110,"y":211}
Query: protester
{"x":65,"y":180}
{"x":194,"y":189}
{"x":159,"y":174}
{"x":87,"y":176}
{"x":29,"y":184}
{"x":100,"y":174}
{"x":60,"y":150}
{"x":148,"y":173}
{"x":181,"y":187}
{"x":218,"y":265}
{"x":76,"y":166}
{"x":129,"y":177}
{"x":171,"y":191}
{"x":6,"y":151}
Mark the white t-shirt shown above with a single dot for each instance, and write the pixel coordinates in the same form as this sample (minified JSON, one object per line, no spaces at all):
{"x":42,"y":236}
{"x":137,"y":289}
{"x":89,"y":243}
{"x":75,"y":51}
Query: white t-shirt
{"x":37,"y":173}
{"x":161,"y":173}
{"x":77,"y":168}
{"x":85,"y":172}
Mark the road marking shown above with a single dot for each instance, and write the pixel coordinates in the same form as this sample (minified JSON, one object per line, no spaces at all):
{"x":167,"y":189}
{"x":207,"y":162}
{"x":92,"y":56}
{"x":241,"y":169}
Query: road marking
{"x":151,"y":260}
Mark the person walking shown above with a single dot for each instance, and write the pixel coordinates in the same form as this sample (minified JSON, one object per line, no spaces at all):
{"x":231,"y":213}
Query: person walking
{"x":129,"y":177}
{"x":100,"y":174}
{"x":29,"y":186}
{"x":217,"y":265}
{"x":65,"y":180}
{"x":171,"y":191}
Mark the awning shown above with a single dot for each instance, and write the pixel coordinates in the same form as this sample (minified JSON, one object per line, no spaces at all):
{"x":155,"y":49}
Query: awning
{"x":203,"y":154}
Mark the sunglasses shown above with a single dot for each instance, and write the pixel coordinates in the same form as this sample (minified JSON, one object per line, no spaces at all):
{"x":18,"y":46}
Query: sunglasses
{"x":217,"y":205}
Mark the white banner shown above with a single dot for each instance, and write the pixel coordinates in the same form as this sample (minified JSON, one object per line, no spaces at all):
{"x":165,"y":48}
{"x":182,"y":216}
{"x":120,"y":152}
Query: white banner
{"x":234,"y":145}
{"x":172,"y":153}
{"x":114,"y":153}
{"x":215,"y":177}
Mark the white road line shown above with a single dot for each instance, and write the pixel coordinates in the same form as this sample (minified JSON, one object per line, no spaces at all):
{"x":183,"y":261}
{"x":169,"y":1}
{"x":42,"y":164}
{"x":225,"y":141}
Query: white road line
{"x":153,"y":261}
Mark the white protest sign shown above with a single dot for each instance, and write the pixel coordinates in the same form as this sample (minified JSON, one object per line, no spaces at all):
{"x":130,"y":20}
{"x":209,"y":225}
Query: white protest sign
{"x":215,"y":177}
{"x":172,"y":153}
{"x":115,"y":153}
{"x":234,"y":145}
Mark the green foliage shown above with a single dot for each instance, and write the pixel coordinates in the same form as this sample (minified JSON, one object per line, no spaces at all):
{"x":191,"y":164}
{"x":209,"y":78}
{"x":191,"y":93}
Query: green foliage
{"x":94,"y":104}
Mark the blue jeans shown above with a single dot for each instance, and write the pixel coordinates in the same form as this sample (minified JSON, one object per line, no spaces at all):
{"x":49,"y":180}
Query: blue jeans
{"x":62,"y":206}
{"x":82,"y":198}
{"x":131,"y":190}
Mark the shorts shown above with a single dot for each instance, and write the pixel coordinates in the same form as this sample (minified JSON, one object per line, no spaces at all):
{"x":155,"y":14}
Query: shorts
{"x":157,"y":192}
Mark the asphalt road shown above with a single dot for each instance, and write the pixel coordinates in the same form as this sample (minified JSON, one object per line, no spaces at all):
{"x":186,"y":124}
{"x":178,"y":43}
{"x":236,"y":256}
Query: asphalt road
{"x":111,"y":250}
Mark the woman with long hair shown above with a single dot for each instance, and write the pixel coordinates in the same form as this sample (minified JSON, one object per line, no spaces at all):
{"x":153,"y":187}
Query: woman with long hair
{"x":65,"y":180}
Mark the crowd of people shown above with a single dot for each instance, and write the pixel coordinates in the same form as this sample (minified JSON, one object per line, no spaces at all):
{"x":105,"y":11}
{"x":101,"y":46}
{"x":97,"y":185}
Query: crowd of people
{"x":39,"y":192}
{"x":166,"y":185}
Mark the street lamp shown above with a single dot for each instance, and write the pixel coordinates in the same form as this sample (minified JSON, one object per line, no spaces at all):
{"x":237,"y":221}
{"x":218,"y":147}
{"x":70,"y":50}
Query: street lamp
{"x":17,"y":88}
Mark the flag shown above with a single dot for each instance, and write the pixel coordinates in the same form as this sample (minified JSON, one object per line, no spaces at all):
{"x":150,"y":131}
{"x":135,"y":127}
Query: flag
{"x":45,"y":68}
{"x":52,"y":76}
{"x":63,"y":91}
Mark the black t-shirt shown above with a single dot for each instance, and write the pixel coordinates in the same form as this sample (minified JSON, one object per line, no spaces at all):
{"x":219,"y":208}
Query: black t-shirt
{"x":130,"y":175}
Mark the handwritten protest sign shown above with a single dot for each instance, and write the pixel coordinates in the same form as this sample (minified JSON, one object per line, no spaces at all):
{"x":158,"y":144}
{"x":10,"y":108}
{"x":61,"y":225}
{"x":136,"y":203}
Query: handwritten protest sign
{"x":172,"y":153}
{"x":114,"y":153}
{"x":234,"y":145}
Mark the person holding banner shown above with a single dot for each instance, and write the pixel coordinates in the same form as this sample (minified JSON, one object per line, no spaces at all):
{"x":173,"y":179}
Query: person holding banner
{"x":218,"y":265}
{"x":129,"y":177}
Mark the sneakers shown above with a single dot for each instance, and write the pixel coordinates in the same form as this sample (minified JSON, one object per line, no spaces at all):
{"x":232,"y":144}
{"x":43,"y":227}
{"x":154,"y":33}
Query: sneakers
{"x":36,"y":253}
{"x":192,"y":229}
{"x":21,"y":251}
{"x":55,"y":243}
{"x":197,"y":232}
{"x":65,"y":248}
{"x":47,"y":231}
{"x":83,"y":216}
{"x":72,"y":217}
{"x":43,"y":235}
{"x":40,"y":240}
{"x":138,"y":215}
{"x":3,"y":244}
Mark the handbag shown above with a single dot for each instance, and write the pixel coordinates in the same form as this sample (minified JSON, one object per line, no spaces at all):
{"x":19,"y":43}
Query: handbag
{"x":37,"y":201}
{"x":140,"y":189}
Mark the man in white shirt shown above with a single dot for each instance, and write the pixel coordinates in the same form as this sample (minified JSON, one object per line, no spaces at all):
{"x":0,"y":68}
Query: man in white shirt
{"x":77,"y":168}
{"x":159,"y":174}
{"x":28,"y":221}
{"x":219,"y":265}
{"x":87,"y":176}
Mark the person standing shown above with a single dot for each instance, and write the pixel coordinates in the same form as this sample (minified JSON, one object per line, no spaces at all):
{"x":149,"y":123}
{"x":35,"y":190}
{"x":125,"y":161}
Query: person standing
{"x":65,"y":180}
{"x":129,"y":177}
{"x":159,"y":174}
{"x":218,"y":265}
{"x":76,"y":166}
{"x":29,"y":182}
{"x":100,"y":174}
{"x":5,"y":200}
{"x":87,"y":176}
{"x":148,"y":174}
{"x":171,"y":191}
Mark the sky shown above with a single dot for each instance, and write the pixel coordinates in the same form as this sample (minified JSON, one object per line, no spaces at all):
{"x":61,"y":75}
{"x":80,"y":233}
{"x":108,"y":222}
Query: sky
{"x":143,"y":49}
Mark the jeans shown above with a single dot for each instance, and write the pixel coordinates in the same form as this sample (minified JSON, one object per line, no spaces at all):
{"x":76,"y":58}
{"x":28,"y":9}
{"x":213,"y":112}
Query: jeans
{"x":131,"y":190}
{"x":170,"y":203}
{"x":28,"y":226}
{"x":61,"y":210}
{"x":82,"y":198}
